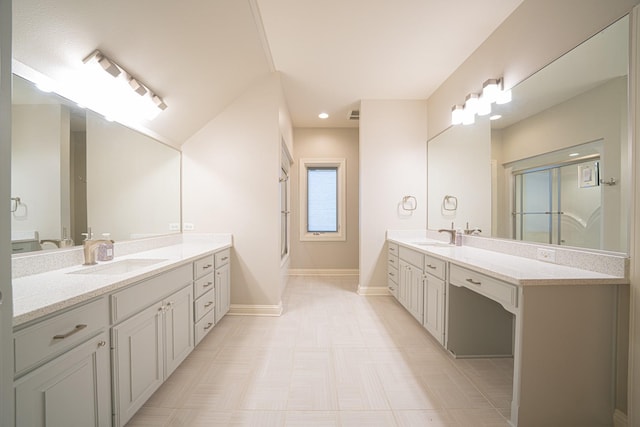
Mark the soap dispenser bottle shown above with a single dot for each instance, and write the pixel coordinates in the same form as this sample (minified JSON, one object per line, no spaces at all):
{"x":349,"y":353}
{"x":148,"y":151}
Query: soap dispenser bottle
{"x":105,"y":250}
{"x":458,"y":237}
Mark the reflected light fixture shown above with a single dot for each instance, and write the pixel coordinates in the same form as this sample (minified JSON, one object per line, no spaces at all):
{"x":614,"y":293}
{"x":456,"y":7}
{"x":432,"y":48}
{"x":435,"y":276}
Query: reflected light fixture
{"x":323,"y":116}
{"x":112,"y":91}
{"x":495,"y":117}
{"x":480,"y":104}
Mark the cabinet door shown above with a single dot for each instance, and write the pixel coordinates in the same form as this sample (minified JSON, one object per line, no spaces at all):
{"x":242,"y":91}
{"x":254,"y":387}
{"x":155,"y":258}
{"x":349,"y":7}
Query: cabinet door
{"x":73,"y":390}
{"x":434,"y":307}
{"x":178,"y":328}
{"x":138,"y":361}
{"x":223,"y":291}
{"x":403,"y":284}
{"x":416,"y":296}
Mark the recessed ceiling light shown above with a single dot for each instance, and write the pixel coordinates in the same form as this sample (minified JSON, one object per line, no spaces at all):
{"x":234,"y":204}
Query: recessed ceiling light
{"x":574,"y":154}
{"x":495,"y":117}
{"x":323,"y":116}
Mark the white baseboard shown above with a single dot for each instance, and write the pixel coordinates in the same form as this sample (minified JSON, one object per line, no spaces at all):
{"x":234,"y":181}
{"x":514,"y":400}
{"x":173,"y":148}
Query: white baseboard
{"x":255,"y":310}
{"x":619,"y":419}
{"x":373,"y":291}
{"x":324,"y":272}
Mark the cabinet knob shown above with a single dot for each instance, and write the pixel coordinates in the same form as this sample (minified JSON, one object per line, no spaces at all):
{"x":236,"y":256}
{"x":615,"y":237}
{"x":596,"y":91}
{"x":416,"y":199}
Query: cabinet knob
{"x":102,"y":343}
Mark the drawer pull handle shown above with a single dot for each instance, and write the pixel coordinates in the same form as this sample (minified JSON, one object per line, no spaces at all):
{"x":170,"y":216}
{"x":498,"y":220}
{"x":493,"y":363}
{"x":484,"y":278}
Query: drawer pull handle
{"x":77,"y":329}
{"x":207,"y":266}
{"x":208,"y":304}
{"x":207,"y":285}
{"x":473,"y":282}
{"x":208,"y":326}
{"x":391,"y":274}
{"x":224,"y":258}
{"x":433,"y":267}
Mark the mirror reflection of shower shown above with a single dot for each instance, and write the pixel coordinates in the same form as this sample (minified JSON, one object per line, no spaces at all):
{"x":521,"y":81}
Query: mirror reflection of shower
{"x":558,"y":199}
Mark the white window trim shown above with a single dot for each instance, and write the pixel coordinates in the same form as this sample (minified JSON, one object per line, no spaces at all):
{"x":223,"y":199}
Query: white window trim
{"x":341,"y":234}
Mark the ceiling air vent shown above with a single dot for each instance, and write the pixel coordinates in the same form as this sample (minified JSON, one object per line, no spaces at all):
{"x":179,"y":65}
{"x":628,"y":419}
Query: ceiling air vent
{"x":354,"y":115}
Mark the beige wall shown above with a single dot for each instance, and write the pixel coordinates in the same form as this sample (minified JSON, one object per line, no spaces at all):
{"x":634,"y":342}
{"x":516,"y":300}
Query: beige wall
{"x":326,"y":143}
{"x":230,"y":184}
{"x":393,"y":153}
{"x":535,"y":34}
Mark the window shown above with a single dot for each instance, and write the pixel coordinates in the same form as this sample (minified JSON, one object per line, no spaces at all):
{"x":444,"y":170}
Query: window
{"x":322,"y":199}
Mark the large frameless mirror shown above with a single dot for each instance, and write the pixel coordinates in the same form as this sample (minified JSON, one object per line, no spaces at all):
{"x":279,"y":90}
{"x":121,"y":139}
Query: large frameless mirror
{"x":554,"y":167}
{"x":71,"y":169}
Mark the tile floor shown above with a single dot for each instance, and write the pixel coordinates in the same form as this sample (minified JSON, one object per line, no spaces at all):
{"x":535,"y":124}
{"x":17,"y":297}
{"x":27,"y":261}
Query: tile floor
{"x":334,"y":358}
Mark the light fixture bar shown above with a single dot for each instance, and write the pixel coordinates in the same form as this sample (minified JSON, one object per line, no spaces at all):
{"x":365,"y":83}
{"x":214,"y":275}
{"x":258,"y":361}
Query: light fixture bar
{"x":480,"y":103}
{"x":148,"y":97}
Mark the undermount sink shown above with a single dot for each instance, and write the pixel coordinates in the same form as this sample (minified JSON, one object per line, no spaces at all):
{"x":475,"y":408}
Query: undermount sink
{"x":440,"y":244}
{"x":119,"y":267}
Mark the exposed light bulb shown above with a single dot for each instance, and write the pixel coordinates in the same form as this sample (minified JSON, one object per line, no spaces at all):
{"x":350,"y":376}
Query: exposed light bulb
{"x":457,"y":113}
{"x":490,"y":90}
{"x":471,"y":103}
{"x":484,"y":106}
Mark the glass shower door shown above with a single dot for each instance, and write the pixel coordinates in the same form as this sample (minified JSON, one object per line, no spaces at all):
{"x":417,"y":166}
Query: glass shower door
{"x":553,"y":205}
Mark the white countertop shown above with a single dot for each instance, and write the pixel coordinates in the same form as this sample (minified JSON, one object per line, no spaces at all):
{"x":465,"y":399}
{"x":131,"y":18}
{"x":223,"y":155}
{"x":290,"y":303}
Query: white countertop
{"x":37,"y":295}
{"x":509,"y":268}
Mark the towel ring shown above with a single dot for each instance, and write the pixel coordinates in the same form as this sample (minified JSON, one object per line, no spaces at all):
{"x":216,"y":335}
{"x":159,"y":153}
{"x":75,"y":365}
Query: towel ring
{"x":450,"y":203}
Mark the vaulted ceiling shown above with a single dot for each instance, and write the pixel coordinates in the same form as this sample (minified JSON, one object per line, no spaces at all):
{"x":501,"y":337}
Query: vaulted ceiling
{"x":200,"y":55}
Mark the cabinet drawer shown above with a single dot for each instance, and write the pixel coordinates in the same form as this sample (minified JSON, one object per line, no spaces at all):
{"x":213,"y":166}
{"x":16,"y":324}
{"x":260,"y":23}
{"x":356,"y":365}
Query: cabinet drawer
{"x":393,"y":261}
{"x":412,"y":257}
{"x":205,"y":325}
{"x":393,"y":249}
{"x":203,"y":285}
{"x":205,"y":303}
{"x":393,"y":274}
{"x":504,"y":293}
{"x":35,"y":344}
{"x":222,"y":258}
{"x":139,"y":296}
{"x":434,"y":266}
{"x":203,"y":266}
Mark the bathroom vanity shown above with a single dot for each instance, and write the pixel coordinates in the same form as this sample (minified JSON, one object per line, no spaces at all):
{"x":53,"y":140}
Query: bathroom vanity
{"x":86,"y":335}
{"x":559,"y":323}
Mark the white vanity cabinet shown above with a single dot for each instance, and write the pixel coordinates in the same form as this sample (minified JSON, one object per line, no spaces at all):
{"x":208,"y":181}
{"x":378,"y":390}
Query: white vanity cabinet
{"x":223,"y":283}
{"x":62,"y":362}
{"x":411,"y":285}
{"x":434,"y":297}
{"x":150,"y":344}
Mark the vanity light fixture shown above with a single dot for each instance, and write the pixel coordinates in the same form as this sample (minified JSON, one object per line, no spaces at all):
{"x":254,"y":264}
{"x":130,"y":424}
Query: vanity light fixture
{"x":480,"y":104}
{"x":117,"y":93}
{"x":495,"y":117}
